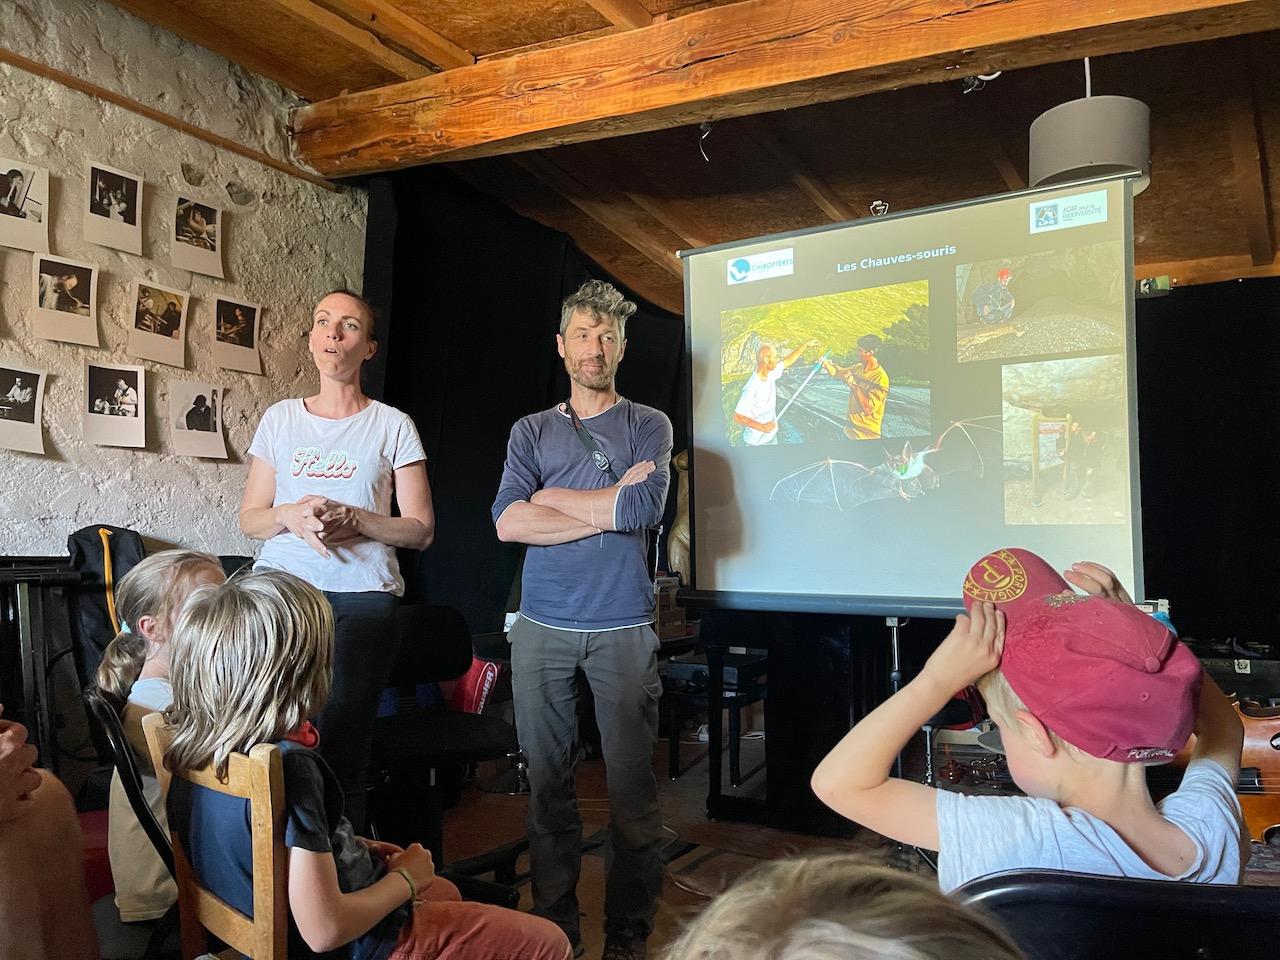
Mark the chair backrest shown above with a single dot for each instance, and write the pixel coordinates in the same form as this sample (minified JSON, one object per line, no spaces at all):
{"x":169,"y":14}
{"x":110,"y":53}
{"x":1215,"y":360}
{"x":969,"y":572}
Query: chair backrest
{"x":104,"y":712}
{"x":258,"y":778}
{"x":435,"y":644}
{"x":1055,"y":915}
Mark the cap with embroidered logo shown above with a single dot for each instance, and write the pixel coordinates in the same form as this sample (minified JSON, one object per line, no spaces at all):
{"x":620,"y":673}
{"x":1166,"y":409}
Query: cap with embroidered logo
{"x":1101,"y":674}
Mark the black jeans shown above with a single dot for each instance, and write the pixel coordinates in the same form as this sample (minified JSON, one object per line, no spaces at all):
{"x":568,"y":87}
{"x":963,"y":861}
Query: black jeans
{"x":365,"y":645}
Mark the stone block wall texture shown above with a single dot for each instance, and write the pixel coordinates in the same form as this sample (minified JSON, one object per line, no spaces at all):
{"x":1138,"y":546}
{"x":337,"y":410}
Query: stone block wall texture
{"x":286,"y":243}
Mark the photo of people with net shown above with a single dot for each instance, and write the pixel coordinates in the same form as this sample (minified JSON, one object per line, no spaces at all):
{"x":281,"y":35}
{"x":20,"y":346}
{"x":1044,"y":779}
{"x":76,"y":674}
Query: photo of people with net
{"x":847,"y":366}
{"x":1041,"y":304}
{"x":1066,"y":441}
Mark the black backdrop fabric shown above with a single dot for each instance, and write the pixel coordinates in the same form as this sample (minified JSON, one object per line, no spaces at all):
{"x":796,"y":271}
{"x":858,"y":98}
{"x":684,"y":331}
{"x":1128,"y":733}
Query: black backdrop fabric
{"x":474,"y":302}
{"x":474,"y":292}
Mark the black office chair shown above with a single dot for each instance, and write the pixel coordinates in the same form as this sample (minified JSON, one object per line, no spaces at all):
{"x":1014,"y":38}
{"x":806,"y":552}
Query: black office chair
{"x":1055,"y":915}
{"x":414,"y":746}
{"x":104,"y":713}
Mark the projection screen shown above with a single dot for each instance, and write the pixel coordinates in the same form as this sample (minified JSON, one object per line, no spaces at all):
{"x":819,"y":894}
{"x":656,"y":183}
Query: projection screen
{"x":874,"y":405}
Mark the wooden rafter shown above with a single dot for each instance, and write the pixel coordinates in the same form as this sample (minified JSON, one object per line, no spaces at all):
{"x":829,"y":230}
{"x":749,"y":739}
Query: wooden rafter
{"x":361,"y":39}
{"x":610,"y":214}
{"x":1005,"y":166}
{"x":177,"y":19}
{"x":744,"y":58}
{"x":624,"y":13}
{"x":639,"y":185}
{"x":804,"y":179}
{"x":1247,"y":158}
{"x":394,"y":25}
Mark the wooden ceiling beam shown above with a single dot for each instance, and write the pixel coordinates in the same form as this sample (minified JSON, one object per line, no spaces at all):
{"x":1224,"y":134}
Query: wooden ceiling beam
{"x":348,"y":33}
{"x":804,"y":179}
{"x":750,"y":57}
{"x":1247,"y":157}
{"x":624,"y":13}
{"x":613,"y":216}
{"x":393,"y":24}
{"x":178,"y":20}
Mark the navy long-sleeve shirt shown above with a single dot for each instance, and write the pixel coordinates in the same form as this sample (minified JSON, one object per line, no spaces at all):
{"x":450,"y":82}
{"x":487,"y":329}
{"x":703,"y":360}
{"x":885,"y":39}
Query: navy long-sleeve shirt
{"x":601,"y":582}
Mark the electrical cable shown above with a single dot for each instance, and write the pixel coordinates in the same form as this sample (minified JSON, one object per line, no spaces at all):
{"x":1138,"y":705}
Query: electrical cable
{"x":1088,"y":79}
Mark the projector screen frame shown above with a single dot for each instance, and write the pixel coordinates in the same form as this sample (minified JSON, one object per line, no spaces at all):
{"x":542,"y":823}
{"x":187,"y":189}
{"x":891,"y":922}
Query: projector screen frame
{"x":925,"y":607}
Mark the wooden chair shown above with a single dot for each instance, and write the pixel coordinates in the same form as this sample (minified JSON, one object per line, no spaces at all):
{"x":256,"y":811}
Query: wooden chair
{"x":258,"y":778}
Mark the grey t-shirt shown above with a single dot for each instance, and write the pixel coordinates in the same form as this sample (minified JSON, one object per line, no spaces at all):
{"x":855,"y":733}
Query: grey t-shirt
{"x":978,"y":836}
{"x":599,"y":583}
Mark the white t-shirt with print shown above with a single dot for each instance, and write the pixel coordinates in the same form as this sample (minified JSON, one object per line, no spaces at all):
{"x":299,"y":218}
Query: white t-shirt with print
{"x":352,"y":461}
{"x":759,"y":402}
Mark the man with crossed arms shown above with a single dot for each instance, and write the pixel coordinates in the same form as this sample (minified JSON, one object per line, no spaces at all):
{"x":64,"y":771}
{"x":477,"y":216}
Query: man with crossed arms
{"x":587,"y":603}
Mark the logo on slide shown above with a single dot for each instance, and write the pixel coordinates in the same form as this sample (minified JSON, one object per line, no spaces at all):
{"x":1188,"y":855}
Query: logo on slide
{"x":1074,"y":211}
{"x":761,"y":266}
{"x":1046,"y":215}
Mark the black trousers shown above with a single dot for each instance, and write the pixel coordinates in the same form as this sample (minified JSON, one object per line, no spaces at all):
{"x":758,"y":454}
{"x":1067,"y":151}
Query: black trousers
{"x":365,"y":646}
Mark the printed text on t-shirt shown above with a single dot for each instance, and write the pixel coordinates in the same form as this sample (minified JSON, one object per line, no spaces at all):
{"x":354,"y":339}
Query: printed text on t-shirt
{"x":334,"y":465}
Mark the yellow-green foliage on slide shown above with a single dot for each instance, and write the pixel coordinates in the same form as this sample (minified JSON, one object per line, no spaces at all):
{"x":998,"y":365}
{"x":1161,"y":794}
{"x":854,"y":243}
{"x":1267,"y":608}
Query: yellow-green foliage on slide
{"x":836,"y":321}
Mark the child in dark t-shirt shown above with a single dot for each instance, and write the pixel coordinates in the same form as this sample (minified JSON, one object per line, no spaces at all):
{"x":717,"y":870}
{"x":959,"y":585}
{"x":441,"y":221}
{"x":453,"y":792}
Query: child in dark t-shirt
{"x":251,"y":660}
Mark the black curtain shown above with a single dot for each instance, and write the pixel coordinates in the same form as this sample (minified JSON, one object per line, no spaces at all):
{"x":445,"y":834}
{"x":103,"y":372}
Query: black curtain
{"x":474,"y":298}
{"x":1208,"y":433}
{"x":474,"y":293}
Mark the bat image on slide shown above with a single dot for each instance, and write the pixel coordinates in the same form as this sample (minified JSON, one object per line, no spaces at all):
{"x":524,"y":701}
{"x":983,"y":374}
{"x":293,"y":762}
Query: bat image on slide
{"x":846,"y":485}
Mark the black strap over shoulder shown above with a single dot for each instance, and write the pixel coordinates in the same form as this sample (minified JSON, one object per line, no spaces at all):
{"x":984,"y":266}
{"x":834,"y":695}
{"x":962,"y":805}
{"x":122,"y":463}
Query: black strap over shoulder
{"x":589,"y":444}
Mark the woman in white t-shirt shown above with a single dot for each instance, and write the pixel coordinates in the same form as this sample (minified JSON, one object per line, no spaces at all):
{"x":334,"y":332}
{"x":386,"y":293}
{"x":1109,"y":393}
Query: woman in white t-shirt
{"x":321,"y":479}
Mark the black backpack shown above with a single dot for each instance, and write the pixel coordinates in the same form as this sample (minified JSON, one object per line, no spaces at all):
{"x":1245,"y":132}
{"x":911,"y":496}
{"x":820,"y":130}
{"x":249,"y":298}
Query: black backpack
{"x":103,"y":554}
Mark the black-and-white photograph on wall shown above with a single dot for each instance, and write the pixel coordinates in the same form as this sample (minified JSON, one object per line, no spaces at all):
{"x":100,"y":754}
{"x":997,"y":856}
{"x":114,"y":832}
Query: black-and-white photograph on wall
{"x":64,"y":300}
{"x":21,"y":406}
{"x":115,"y":397}
{"x":195,"y":419}
{"x":113,"y":208}
{"x":24,"y":206}
{"x":159,"y":326}
{"x":235,"y":335}
{"x":195,"y":237}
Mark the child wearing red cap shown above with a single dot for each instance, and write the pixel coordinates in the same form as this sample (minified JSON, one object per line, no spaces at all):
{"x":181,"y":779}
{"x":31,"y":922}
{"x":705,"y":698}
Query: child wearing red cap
{"x":1086,"y":690}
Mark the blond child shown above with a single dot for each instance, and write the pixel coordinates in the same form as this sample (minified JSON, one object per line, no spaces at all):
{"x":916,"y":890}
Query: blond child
{"x":253,"y":659}
{"x":838,"y":907}
{"x":134,"y":675}
{"x":1086,"y":691}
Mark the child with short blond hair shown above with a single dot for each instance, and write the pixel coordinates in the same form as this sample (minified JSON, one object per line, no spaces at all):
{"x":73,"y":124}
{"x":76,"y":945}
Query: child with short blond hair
{"x":1086,"y":690}
{"x":253,"y":659}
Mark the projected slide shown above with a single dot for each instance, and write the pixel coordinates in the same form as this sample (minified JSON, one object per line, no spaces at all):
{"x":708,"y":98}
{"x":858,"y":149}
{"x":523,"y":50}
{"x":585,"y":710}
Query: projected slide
{"x":876,"y":404}
{"x":850,"y":365}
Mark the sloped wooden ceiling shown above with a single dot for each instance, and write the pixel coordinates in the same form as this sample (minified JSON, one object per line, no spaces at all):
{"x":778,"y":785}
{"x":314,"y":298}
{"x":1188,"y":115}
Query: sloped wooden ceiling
{"x":584,"y":114}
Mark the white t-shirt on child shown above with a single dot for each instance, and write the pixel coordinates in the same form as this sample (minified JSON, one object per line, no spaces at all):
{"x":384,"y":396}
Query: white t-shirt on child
{"x":759,"y":402}
{"x":352,"y":461}
{"x":978,"y":836}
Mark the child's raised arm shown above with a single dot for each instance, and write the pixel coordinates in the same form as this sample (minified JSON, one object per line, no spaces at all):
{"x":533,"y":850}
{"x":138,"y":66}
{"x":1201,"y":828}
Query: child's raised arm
{"x":1219,"y":732}
{"x":326,"y":917}
{"x":854,"y":778}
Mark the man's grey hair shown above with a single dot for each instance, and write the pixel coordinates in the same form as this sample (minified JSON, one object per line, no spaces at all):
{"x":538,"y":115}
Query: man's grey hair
{"x":601,"y":300}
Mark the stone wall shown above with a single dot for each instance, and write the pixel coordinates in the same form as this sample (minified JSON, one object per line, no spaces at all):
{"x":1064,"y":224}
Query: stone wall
{"x":286,"y":242}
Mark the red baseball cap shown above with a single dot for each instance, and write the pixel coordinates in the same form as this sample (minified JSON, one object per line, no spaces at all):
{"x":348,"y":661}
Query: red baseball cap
{"x":1101,"y":674}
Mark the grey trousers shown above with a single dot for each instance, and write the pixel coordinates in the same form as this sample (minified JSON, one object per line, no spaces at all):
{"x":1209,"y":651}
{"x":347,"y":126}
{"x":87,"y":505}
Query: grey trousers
{"x":622,"y":668}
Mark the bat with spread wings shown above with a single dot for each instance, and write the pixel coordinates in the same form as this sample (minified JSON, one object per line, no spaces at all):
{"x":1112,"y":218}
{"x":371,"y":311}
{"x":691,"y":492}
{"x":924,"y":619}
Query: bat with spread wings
{"x":846,"y":485}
